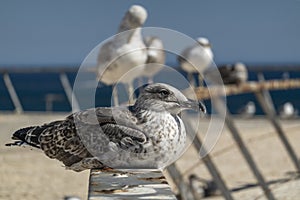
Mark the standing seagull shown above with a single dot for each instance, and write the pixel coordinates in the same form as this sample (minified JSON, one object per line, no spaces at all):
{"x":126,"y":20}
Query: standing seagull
{"x":248,"y":110}
{"x":124,"y":52}
{"x":196,"y":59}
{"x":149,"y":134}
{"x":234,"y":74}
{"x":287,"y":110}
{"x":228,"y":74}
{"x":156,"y":57}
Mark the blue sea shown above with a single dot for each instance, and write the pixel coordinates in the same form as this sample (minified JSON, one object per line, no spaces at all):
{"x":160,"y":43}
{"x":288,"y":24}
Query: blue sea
{"x":33,"y":89}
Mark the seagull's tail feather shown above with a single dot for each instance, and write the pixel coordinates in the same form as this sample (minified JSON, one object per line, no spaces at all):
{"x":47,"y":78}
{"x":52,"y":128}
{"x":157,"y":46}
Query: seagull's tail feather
{"x":28,"y":135}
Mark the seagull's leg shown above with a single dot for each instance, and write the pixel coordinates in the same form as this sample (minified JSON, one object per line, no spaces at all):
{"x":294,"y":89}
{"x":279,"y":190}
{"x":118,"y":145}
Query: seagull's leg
{"x":201,"y":80}
{"x":191,"y":79}
{"x":130,"y":92}
{"x":115,"y":96}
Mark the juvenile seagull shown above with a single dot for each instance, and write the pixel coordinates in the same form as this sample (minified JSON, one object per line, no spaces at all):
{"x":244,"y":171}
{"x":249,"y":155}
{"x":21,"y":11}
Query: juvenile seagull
{"x":228,"y":74}
{"x":149,"y":134}
{"x":124,"y":52}
{"x":234,"y":74}
{"x":196,"y":59}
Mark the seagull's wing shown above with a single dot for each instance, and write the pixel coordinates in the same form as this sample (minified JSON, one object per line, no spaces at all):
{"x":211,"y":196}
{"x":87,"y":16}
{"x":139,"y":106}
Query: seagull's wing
{"x":105,"y":56}
{"x":225,"y":71}
{"x":184,"y":56}
{"x":155,"y":50}
{"x":116,"y":125}
{"x":57,"y":139}
{"x":66,"y":140}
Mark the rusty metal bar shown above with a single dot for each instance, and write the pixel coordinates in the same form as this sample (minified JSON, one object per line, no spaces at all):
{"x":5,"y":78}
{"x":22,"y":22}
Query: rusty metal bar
{"x":184,"y":190}
{"x":267,"y":105}
{"x":263,"y":102}
{"x":12,"y":92}
{"x":213,"y":171}
{"x":204,"y":93}
{"x":242,"y":147}
{"x":132,"y":184}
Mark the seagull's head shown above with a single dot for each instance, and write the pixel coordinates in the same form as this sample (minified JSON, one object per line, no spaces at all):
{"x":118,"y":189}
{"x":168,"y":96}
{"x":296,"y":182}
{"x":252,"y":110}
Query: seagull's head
{"x":241,"y":72}
{"x":162,"y":97}
{"x":136,"y":16}
{"x":204,"y":42}
{"x":240,"y":67}
{"x":153,"y":42}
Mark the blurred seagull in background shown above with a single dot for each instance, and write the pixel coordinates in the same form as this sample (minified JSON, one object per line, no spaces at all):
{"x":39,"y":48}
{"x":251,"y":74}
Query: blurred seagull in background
{"x":201,"y":187}
{"x":196,"y":59}
{"x":124,"y":52}
{"x":248,"y":110}
{"x":287,"y":110}
{"x":156,"y":57}
{"x":149,"y":134}
{"x":234,"y":74}
{"x":229,"y":74}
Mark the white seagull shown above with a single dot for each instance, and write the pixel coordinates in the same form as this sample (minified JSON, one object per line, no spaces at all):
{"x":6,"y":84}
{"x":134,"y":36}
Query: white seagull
{"x":156,"y":57}
{"x":124,"y":52}
{"x":248,"y":110}
{"x":149,"y":134}
{"x":196,"y":59}
{"x":287,"y":110}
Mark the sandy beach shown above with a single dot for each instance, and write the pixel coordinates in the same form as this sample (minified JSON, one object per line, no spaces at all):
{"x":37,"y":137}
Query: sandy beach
{"x":29,"y":174}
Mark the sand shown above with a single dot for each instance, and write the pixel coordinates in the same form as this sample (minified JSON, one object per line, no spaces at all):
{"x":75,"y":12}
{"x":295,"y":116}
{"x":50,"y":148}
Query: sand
{"x":266,"y":149}
{"x":29,"y":174}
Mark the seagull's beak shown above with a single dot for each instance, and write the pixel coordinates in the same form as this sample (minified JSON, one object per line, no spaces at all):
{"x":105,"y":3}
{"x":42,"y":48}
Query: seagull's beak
{"x":195,"y":105}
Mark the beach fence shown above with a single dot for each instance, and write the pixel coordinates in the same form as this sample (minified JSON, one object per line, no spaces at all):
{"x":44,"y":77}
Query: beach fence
{"x":133,"y":181}
{"x":6,"y":73}
{"x":134,"y":184}
{"x":261,"y":91}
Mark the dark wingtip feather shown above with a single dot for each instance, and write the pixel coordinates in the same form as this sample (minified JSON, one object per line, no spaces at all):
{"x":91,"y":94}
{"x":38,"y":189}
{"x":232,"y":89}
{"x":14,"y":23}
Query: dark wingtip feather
{"x":21,"y":134}
{"x":16,"y":143}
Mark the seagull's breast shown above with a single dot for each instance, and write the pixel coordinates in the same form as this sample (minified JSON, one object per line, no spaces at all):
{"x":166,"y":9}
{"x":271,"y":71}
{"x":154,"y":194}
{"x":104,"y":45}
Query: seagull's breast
{"x":125,"y":52}
{"x":131,"y":54}
{"x":125,"y":58}
{"x":166,"y":132}
{"x":165,"y":141}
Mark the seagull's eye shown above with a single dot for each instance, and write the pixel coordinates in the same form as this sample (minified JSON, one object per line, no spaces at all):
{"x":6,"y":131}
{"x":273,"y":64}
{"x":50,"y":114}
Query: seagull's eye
{"x":164,"y":93}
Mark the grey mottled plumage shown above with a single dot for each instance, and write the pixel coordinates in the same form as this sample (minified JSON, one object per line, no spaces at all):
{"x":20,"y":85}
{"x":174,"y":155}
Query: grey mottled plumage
{"x":228,"y":74}
{"x":148,"y":134}
{"x":234,"y":74}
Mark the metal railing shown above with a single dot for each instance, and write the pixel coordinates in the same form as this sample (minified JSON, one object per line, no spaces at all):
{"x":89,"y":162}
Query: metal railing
{"x":260,"y":89}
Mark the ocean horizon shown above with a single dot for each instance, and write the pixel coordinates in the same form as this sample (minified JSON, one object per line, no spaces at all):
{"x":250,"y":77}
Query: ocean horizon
{"x":36,"y":89}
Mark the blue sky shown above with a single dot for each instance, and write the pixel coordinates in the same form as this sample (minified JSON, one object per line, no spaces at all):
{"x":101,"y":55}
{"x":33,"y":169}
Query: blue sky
{"x":64,"y":32}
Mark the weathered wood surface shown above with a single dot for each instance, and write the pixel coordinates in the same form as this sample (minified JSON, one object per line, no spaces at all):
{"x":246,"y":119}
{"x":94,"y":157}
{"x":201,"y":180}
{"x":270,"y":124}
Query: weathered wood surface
{"x":132,"y":184}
